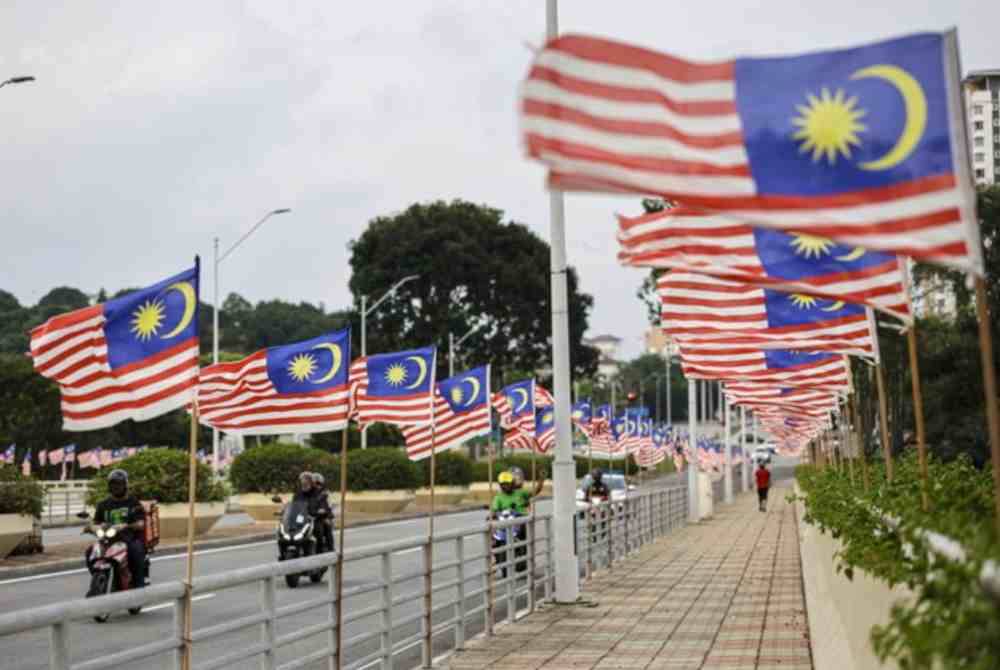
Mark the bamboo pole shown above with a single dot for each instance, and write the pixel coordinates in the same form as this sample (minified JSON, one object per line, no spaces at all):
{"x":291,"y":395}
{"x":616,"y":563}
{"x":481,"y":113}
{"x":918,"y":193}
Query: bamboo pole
{"x":859,"y":440}
{"x":186,"y":659}
{"x":918,"y":416}
{"x":989,"y":389}
{"x":340,"y":545}
{"x":883,"y":418}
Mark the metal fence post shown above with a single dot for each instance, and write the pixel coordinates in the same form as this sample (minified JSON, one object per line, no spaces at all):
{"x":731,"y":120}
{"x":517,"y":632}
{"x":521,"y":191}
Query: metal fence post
{"x":588,"y":529}
{"x":333,"y":589}
{"x":510,"y":572}
{"x":180,"y":614}
{"x":460,"y":626}
{"x":386,"y":637}
{"x":266,"y":599}
{"x":58,"y":647}
{"x":490,"y":576}
{"x":532,"y":562}
{"x":428,"y":651}
{"x":548,"y":558}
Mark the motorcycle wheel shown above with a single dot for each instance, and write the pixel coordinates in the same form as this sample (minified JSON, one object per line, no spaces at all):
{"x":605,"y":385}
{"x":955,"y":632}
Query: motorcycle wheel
{"x":316,"y":576}
{"x":292,"y":581}
{"x":100,"y":584}
{"x":134,"y":610}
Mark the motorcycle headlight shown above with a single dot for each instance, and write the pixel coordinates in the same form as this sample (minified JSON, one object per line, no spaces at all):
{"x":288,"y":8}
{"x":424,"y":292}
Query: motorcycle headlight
{"x":100,"y":533}
{"x":111,"y":532}
{"x":281,"y":531}
{"x":300,"y":536}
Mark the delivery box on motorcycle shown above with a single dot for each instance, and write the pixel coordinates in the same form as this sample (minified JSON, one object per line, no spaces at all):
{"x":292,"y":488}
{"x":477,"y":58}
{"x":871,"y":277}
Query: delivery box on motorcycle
{"x":152,"y":531}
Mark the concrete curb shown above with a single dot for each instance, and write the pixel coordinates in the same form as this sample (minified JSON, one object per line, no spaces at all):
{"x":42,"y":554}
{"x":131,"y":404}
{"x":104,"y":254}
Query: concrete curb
{"x":76,"y":563}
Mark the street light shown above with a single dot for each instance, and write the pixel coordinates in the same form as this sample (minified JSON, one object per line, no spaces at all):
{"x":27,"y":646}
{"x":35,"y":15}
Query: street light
{"x":365,"y":311}
{"x":16,"y":80}
{"x":217,"y":308}
{"x":454,"y":344}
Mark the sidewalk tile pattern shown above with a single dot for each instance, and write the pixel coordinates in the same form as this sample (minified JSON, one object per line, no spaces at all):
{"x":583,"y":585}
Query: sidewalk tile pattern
{"x":722,"y":594}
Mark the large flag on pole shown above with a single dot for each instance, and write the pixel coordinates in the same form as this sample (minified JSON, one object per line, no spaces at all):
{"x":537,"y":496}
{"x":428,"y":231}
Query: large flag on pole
{"x":545,"y":429}
{"x":134,"y":357}
{"x":783,"y":367}
{"x":294,"y":388}
{"x":862,"y":145}
{"x":516,"y":404}
{"x":682,"y":238}
{"x":396,"y":388}
{"x":461,"y":412}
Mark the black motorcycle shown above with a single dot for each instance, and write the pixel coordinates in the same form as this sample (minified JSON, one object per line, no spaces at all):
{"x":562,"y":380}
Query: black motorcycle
{"x":509,"y":535}
{"x":296,"y":539}
{"x":107,"y":561}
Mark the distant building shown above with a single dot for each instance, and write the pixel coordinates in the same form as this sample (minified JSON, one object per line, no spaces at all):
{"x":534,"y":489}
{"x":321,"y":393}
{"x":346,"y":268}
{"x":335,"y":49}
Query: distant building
{"x":658,"y":342}
{"x":608,"y":364}
{"x":982,"y":104}
{"x":932,"y":297}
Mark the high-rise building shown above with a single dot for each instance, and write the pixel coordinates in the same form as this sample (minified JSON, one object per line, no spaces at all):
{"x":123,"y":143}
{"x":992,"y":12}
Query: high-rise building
{"x":608,"y":364}
{"x":982,"y":102}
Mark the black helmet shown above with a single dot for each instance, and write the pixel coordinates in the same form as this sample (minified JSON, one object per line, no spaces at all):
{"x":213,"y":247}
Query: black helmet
{"x":118,"y":482}
{"x":306,"y":479}
{"x":318,"y":479}
{"x":597,"y":475}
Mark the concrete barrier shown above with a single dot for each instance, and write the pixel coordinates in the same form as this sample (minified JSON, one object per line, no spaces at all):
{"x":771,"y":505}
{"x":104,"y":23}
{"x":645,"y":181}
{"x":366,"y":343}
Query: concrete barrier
{"x":841,"y":611}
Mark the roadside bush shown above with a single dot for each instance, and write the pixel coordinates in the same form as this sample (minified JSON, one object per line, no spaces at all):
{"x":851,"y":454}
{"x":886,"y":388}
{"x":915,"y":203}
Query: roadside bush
{"x":275,"y":468}
{"x":378,"y":469}
{"x":480,"y":469}
{"x":160,"y":475}
{"x":19,"y":494}
{"x":451,"y":468}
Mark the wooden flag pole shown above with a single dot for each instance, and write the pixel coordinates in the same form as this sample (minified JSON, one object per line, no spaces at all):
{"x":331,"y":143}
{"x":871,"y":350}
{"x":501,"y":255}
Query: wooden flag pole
{"x":989,"y":389}
{"x":918,"y":416}
{"x":883,"y":418}
{"x":186,"y":660}
{"x":859,"y":440}
{"x":429,"y":561}
{"x":340,"y":546}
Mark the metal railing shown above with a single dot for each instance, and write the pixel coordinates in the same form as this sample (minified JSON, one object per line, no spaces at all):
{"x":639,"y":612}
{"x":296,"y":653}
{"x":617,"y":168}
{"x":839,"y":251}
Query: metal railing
{"x":398,"y":598}
{"x":63,"y":501}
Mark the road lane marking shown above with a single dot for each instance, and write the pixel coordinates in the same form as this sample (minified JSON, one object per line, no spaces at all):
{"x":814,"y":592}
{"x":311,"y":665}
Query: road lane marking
{"x":161,"y":606}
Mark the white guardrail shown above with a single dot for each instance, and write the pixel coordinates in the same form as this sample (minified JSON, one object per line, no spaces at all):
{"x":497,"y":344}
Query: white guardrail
{"x":439,"y":593}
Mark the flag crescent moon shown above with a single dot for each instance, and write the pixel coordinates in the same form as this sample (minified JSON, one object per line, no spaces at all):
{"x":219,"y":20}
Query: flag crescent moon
{"x":190,"y":304}
{"x":835,"y":306}
{"x":476,"y":386}
{"x":524,"y":402}
{"x":915,"y":103}
{"x":422,"y":365}
{"x":338,"y":358}
{"x":855,"y":254}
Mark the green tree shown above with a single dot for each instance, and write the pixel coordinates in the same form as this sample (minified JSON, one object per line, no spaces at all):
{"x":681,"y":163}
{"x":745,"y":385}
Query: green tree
{"x":65,"y":298}
{"x":473,"y":268}
{"x":647,"y":290}
{"x":640,"y":376}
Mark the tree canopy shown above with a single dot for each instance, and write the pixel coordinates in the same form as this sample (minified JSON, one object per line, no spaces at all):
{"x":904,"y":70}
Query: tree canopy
{"x":474,"y":268}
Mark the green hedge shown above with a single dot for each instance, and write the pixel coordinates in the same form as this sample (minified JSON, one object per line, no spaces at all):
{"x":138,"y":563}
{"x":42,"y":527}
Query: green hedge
{"x":480,"y":469}
{"x":451,"y":468}
{"x":158,"y":474}
{"x":19,"y":494}
{"x":275,"y":468}
{"x":950,"y":623}
{"x":378,"y":469}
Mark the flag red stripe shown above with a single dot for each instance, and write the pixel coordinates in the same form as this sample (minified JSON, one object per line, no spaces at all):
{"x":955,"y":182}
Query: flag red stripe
{"x":131,"y":404}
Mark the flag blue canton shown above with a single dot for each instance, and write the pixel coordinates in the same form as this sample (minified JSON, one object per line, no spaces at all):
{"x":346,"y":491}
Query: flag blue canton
{"x":619,"y":427}
{"x":789,"y":256}
{"x":583,"y":412}
{"x":777,"y":359}
{"x":604,"y":412}
{"x":521,"y":396}
{"x":152,"y":320}
{"x":793,"y":309}
{"x":313,"y":365}
{"x":845,"y":120}
{"x":401,"y":373}
{"x":545,"y":420}
{"x":466,"y":391}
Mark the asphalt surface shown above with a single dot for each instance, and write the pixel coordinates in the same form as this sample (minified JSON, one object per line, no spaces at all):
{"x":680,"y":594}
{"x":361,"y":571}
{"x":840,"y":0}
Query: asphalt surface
{"x":29,"y":651}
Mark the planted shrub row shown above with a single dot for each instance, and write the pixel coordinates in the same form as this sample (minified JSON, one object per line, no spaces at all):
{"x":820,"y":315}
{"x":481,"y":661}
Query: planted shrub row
{"x":161,"y":475}
{"x":19,"y":494}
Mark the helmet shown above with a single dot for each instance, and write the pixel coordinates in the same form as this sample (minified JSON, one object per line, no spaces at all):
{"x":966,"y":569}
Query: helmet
{"x":597,"y":475}
{"x":518,"y":475}
{"x":118,"y":482}
{"x":506,"y":481}
{"x":319,"y":479}
{"x":306,"y":481}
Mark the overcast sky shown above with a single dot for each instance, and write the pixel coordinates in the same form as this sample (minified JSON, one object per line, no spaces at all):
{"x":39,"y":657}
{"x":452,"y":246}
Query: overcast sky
{"x":155,"y":126}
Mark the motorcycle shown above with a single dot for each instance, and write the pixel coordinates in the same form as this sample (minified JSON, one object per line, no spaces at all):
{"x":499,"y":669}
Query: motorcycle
{"x":107,"y":561}
{"x":296,"y":540}
{"x":502,"y":536}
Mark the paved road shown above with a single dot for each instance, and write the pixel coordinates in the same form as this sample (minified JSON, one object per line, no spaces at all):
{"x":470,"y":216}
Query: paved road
{"x":29,"y":651}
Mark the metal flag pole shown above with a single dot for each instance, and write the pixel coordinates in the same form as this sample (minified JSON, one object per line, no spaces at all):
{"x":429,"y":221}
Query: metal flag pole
{"x":340,"y":544}
{"x":693,"y":513}
{"x":186,"y":661}
{"x":429,"y":548}
{"x":728,"y":474}
{"x":743,"y":446}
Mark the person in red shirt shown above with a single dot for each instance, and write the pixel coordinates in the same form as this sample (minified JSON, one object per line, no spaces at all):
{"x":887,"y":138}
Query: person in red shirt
{"x":763,"y":476}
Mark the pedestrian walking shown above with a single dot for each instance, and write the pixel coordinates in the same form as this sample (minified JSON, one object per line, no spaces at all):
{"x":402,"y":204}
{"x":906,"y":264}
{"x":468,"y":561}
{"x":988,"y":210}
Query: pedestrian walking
{"x":763,"y":477}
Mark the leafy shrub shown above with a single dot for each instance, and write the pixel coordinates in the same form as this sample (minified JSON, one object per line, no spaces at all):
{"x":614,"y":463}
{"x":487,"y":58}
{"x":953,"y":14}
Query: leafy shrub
{"x":951,"y":623}
{"x":275,"y":468}
{"x":452,"y":468}
{"x":379,"y":469}
{"x":19,"y":494}
{"x":161,"y":475}
{"x":480,"y":469}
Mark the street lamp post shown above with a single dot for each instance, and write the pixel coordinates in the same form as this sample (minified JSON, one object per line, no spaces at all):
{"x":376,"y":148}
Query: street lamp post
{"x":216,"y":308}
{"x":16,"y":80}
{"x":453,"y":344}
{"x":670,"y":418}
{"x":365,"y":311}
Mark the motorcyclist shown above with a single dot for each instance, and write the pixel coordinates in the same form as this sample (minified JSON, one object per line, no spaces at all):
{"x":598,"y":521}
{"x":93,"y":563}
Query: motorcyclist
{"x":306,"y":491}
{"x":323,"y":513}
{"x":126,"y":514}
{"x":597,"y":488}
{"x":507,"y":499}
{"x":523,"y":495}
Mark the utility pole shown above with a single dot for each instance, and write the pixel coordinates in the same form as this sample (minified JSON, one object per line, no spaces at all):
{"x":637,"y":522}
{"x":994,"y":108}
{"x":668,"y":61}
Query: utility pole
{"x":692,"y":467}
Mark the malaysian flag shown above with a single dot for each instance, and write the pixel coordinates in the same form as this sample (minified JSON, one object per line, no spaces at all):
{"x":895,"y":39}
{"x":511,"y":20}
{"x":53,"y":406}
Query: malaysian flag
{"x":294,"y":388}
{"x":716,"y":311}
{"x":863,"y":145}
{"x":134,"y":357}
{"x":602,"y":442}
{"x":396,"y":388}
{"x":682,"y":238}
{"x":783,"y":367}
{"x":43,"y":457}
{"x":8,"y":455}
{"x":545,"y":429}
{"x":26,"y":463}
{"x":582,"y":416}
{"x":516,"y":405}
{"x":776,"y":396}
{"x":461,"y":412}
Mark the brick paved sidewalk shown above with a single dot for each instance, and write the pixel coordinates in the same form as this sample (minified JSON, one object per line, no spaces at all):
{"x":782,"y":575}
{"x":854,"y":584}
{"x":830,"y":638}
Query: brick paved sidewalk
{"x":725,"y":593}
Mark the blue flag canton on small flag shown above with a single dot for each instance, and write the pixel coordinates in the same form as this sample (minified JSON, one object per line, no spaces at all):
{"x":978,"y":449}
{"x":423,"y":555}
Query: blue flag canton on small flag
{"x":545,"y":420}
{"x":314,"y":365}
{"x":583,"y":412}
{"x":152,"y":320}
{"x":778,"y":359}
{"x":798,"y":309}
{"x":466,"y":391}
{"x":521,"y":397}
{"x":799,"y":256}
{"x":402,"y":373}
{"x":604,"y":413}
{"x":620,"y":427}
{"x":846,"y":120}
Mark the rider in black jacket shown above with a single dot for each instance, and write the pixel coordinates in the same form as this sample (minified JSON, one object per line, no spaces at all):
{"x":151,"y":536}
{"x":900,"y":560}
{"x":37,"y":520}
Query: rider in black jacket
{"x":125,"y":512}
{"x":323,"y":513}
